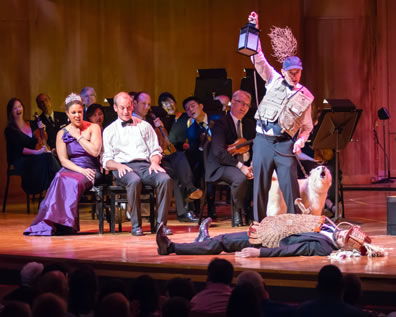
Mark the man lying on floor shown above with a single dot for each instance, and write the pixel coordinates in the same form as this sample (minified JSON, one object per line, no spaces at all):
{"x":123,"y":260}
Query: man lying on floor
{"x":281,"y":235}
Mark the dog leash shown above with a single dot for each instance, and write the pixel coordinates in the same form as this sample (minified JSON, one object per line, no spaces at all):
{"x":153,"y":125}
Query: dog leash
{"x":298,"y":161}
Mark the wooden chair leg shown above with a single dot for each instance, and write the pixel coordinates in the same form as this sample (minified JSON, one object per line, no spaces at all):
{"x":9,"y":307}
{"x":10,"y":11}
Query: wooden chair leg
{"x":99,"y":208}
{"x":27,"y":204}
{"x":6,"y":193}
{"x":112,"y":213}
{"x":152,"y":212}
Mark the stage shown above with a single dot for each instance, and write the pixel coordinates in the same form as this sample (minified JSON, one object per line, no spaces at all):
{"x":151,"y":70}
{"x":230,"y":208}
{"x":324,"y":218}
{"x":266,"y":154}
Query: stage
{"x":125,"y":256}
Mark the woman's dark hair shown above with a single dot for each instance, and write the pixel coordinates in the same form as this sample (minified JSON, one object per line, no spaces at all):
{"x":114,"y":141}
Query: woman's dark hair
{"x":164,"y":96}
{"x":10,"y":117}
{"x":92,"y":108}
{"x":73,"y":99}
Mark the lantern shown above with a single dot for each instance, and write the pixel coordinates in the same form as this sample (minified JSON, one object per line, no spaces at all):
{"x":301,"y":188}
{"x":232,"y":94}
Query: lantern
{"x":248,"y":40}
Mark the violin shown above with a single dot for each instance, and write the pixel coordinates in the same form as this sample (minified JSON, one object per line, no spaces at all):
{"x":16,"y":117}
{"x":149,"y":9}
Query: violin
{"x":41,"y":135}
{"x":240,"y":146}
{"x":163,"y":139}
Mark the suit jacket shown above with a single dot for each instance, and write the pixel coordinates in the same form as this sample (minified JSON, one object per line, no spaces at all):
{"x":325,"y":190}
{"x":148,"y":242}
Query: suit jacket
{"x":223,"y":134}
{"x":53,"y":128}
{"x":308,"y":244}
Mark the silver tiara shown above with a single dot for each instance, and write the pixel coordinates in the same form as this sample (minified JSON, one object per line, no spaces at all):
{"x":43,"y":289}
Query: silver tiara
{"x":73,"y":97}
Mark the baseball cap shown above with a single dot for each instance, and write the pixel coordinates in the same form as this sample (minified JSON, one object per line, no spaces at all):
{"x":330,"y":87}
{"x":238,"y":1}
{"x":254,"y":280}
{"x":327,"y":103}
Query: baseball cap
{"x":292,"y":62}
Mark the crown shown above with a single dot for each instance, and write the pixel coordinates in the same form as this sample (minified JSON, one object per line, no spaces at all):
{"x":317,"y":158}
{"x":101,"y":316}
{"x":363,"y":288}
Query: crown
{"x":73,"y":97}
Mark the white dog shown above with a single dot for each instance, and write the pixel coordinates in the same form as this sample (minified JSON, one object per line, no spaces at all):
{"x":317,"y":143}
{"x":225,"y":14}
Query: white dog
{"x":313,"y":192}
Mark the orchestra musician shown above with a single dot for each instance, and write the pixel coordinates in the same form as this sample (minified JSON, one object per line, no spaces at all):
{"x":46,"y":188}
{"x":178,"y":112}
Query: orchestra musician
{"x":190,"y":136}
{"x":26,"y":150}
{"x":174,"y":162}
{"x":233,"y":169}
{"x":53,"y":120}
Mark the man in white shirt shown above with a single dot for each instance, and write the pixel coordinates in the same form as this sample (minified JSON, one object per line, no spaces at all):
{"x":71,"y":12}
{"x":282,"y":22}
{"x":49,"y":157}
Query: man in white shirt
{"x":132,"y":152}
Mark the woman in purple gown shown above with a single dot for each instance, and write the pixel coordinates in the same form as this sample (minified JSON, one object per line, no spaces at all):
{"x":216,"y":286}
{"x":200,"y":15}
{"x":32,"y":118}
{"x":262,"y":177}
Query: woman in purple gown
{"x":78,"y":146}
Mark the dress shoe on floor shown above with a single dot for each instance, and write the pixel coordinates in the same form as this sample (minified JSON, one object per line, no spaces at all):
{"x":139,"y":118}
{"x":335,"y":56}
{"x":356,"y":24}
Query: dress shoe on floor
{"x":162,"y":240}
{"x":166,"y":230}
{"x":137,"y":232}
{"x":196,"y":194}
{"x":203,"y":233}
{"x":188,"y":217}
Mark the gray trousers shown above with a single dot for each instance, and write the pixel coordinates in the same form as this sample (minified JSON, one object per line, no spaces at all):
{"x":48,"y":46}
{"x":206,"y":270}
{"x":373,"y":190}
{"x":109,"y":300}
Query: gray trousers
{"x":133,"y":181}
{"x":265,"y":161}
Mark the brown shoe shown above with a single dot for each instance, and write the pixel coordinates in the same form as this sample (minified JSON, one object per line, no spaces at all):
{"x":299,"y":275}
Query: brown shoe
{"x":196,"y":194}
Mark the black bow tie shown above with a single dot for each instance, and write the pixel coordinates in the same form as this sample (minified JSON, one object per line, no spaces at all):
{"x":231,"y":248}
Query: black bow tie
{"x":124,"y":123}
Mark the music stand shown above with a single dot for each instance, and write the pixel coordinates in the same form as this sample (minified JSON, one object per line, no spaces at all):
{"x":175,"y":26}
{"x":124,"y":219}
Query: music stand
{"x":334,"y":131}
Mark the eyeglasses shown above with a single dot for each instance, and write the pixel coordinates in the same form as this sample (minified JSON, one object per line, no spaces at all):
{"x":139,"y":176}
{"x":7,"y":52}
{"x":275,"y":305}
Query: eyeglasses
{"x":242,"y":103}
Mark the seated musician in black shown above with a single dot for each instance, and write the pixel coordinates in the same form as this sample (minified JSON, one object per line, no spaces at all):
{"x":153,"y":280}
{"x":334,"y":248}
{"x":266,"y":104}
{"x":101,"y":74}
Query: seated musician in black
{"x":233,"y":169}
{"x":190,"y":136}
{"x":53,"y":120}
{"x":174,"y":162}
{"x":167,"y":110}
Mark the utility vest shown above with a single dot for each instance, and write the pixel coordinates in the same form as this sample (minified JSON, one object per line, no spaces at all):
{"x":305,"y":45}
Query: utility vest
{"x":276,"y":105}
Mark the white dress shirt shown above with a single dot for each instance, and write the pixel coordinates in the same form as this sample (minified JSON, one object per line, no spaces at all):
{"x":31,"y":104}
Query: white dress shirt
{"x":135,"y":141}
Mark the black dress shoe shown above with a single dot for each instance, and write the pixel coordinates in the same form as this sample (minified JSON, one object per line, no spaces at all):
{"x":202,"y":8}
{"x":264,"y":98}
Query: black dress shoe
{"x":162,"y":240}
{"x":203,"y":233}
{"x":188,"y":217}
{"x":137,"y":232}
{"x":166,"y":230}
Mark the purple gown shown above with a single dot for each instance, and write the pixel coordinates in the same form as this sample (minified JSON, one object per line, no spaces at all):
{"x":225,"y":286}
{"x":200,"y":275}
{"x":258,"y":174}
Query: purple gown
{"x":58,"y":212}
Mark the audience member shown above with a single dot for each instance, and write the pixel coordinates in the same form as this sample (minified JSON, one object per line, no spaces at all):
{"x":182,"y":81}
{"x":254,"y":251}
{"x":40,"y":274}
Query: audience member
{"x":145,"y":297}
{"x":54,"y":282}
{"x":53,"y":120}
{"x":113,"y":285}
{"x":214,"y":298}
{"x":176,"y":307}
{"x":49,"y":305}
{"x":180,"y":287}
{"x":132,"y":152}
{"x":77,"y":145}
{"x":244,"y":301}
{"x":114,"y":304}
{"x":83,"y":287}
{"x":174,"y":162}
{"x":25,"y":151}
{"x":268,"y":307}
{"x":329,"y":302}
{"x":26,"y":291}
{"x":16,"y":309}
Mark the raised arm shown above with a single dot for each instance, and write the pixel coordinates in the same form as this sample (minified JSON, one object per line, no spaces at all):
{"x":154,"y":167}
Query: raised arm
{"x":265,"y":70}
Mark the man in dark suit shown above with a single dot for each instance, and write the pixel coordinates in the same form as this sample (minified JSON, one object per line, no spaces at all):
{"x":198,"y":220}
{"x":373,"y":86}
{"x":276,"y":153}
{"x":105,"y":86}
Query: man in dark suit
{"x":320,"y":243}
{"x":53,"y":120}
{"x":233,"y":169}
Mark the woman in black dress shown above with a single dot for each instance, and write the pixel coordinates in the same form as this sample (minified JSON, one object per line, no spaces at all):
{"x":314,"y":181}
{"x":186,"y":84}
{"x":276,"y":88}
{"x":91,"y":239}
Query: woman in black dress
{"x":36,"y":165}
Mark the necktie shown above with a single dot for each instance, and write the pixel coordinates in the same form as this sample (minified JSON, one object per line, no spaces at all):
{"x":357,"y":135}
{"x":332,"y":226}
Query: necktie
{"x":51,"y":121}
{"x":239,"y":135}
{"x":125,"y":123}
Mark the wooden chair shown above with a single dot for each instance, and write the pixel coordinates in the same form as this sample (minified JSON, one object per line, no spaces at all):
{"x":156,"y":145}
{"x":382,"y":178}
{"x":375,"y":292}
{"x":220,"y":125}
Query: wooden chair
{"x":116,"y":195}
{"x":12,"y":171}
{"x":206,"y":150}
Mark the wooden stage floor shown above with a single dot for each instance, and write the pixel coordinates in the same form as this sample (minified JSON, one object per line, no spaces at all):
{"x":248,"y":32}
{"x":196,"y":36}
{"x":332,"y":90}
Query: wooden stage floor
{"x":125,"y":256}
